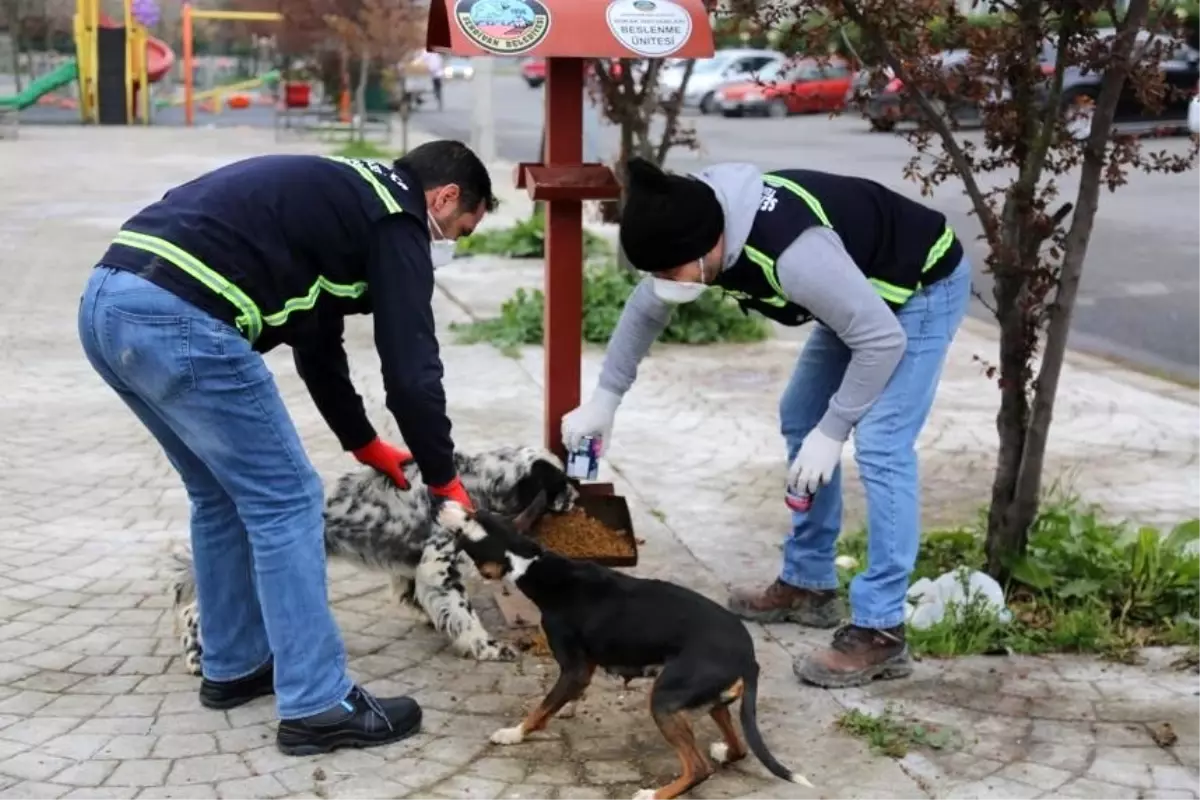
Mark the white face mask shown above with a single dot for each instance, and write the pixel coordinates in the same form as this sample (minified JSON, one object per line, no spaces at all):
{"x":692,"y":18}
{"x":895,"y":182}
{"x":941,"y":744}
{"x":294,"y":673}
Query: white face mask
{"x":441,"y":249}
{"x":441,"y":252}
{"x":677,"y":292}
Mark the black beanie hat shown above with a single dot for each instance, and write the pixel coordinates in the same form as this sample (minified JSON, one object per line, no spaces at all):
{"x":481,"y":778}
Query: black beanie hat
{"x":668,"y":220}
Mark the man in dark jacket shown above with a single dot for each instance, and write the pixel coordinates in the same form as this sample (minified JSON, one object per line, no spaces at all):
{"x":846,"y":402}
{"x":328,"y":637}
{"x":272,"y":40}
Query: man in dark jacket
{"x":175,"y":318}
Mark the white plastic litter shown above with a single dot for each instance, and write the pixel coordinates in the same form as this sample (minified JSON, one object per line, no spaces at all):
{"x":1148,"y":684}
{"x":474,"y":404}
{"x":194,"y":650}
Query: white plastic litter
{"x":928,"y":600}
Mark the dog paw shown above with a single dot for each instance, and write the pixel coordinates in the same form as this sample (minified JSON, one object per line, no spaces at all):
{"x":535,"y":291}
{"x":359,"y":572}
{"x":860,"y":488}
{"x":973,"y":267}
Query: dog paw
{"x":719,"y":752}
{"x":191,"y":662}
{"x":513,"y":735}
{"x":645,"y":794}
{"x":492,"y":650}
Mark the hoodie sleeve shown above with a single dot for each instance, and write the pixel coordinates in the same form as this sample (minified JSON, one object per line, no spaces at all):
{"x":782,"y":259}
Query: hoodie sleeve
{"x":643,"y":319}
{"x":817,"y":273}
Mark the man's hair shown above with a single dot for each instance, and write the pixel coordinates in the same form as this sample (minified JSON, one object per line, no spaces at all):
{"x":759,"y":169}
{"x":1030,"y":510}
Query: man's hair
{"x":446,"y":161}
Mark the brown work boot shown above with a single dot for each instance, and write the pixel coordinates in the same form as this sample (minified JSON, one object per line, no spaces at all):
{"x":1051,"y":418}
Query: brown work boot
{"x":857,"y":656}
{"x":782,"y":602}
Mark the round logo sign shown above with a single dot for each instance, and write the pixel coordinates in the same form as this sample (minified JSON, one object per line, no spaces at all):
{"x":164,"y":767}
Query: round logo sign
{"x":650,"y":28}
{"x":503,"y":27}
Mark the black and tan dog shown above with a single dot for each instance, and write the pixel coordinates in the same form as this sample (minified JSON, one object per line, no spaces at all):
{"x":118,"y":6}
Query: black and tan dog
{"x":596,"y":617}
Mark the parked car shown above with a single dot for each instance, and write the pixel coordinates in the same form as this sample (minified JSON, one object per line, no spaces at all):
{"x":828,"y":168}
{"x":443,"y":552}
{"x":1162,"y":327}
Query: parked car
{"x":458,"y":68}
{"x":533,"y":70}
{"x":1180,"y":66}
{"x":886,"y":106}
{"x":785,"y":88}
{"x":711,"y":74}
{"x":1194,"y":111}
{"x":890,"y":104}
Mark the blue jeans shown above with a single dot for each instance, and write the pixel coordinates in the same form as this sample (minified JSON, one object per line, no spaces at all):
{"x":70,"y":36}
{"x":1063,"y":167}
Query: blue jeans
{"x":256,"y":501}
{"x":884,"y":445}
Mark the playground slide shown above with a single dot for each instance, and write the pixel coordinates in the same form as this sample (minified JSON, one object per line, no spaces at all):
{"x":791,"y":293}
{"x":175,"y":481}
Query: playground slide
{"x":159,"y":59}
{"x":66,"y":74}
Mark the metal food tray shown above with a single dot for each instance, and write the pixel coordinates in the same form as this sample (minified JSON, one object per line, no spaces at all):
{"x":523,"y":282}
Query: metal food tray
{"x":612,"y":511}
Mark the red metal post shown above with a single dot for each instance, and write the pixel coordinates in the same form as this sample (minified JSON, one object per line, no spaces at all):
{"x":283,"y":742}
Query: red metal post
{"x":188,"y":66}
{"x":564,"y":250}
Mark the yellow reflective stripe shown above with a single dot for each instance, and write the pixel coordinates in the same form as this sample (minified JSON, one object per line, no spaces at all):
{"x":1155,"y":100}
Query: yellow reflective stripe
{"x":767,"y":264}
{"x":249,"y":321}
{"x":802,"y":193}
{"x":891,"y":292}
{"x":305,"y":303}
{"x":389,"y":202}
{"x":939,"y":249}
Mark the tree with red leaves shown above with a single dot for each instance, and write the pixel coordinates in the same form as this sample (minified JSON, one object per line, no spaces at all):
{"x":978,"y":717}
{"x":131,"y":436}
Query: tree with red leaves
{"x":1034,"y":135}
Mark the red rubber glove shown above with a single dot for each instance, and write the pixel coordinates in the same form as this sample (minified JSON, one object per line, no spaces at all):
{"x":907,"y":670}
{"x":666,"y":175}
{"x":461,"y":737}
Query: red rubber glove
{"x":386,"y":458}
{"x":454,"y":490}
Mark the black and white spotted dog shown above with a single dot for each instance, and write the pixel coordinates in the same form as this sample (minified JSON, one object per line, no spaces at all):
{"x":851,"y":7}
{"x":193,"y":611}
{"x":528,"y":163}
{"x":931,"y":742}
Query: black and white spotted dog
{"x":369,"y":521}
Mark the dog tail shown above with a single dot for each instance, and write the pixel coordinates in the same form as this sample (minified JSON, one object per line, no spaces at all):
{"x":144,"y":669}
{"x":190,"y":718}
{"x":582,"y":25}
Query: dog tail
{"x":183,"y":581}
{"x":754,"y":736}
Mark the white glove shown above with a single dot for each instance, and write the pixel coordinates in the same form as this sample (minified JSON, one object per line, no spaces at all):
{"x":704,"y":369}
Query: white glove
{"x":813,"y":466}
{"x":593,"y":418}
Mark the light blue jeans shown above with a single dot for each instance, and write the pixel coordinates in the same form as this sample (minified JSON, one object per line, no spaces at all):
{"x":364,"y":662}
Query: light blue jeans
{"x":256,"y":501}
{"x":884,"y":447}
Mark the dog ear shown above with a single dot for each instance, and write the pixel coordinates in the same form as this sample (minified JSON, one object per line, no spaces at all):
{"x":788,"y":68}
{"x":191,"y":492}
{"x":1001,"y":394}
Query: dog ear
{"x":525,"y":521}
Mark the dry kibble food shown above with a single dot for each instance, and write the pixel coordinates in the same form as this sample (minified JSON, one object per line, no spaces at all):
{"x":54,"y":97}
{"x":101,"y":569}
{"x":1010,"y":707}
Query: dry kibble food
{"x":534,"y":642}
{"x":576,"y":535}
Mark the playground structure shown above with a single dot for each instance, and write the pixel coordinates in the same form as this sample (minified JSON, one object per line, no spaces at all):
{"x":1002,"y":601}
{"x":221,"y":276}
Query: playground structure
{"x":215,"y":96}
{"x":115,"y":65}
{"x":296,"y":111}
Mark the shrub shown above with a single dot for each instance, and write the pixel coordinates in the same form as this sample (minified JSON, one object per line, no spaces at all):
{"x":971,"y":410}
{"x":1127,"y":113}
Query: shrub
{"x":525,"y":239}
{"x":606,"y":287}
{"x":1084,"y":585}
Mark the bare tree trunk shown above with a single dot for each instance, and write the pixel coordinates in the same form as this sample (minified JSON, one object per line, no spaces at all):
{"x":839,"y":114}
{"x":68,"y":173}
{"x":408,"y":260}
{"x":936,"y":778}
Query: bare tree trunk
{"x":1025,"y":427}
{"x":1005,"y":534}
{"x":12,"y":13}
{"x":405,"y":113}
{"x":360,"y":94}
{"x":672,"y":112}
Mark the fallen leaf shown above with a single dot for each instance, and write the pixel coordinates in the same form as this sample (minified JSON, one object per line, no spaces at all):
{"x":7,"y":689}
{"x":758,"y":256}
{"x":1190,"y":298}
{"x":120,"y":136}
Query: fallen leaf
{"x":1164,"y":735}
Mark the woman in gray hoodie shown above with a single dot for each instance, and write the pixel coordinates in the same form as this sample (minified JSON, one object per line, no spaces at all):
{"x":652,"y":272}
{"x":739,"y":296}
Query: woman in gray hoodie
{"x":887,"y":284}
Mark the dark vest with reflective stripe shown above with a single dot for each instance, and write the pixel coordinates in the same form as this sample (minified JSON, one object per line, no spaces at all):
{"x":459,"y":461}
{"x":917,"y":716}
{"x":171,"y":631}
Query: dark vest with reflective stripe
{"x":899,"y":244}
{"x":269,"y":243}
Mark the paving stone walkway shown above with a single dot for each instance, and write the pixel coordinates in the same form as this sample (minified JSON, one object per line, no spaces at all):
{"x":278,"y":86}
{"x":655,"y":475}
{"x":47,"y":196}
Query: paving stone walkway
{"x":94,"y":701}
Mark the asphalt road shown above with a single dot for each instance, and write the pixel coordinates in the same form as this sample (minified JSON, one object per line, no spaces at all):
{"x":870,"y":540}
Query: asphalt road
{"x":1140,"y":297}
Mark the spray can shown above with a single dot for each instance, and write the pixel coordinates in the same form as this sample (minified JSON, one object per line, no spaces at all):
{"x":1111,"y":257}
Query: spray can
{"x":798,"y":501}
{"x":583,"y":463}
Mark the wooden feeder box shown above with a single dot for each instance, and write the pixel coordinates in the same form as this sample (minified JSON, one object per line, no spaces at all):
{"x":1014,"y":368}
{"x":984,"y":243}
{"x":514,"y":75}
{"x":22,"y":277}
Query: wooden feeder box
{"x":566,"y":33}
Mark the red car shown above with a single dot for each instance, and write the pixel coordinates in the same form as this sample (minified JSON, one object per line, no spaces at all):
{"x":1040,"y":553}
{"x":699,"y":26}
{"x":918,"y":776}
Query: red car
{"x":533,"y":70}
{"x":789,"y":87}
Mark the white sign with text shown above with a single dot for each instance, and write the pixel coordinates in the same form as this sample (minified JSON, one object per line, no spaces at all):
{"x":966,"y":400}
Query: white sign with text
{"x":650,"y":28}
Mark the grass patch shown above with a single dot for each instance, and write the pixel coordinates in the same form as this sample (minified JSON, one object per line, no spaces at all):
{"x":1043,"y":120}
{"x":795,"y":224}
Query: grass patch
{"x":1085,"y":585}
{"x":606,"y":287}
{"x":525,"y":239}
{"x":890,"y":735}
{"x":365,"y":150}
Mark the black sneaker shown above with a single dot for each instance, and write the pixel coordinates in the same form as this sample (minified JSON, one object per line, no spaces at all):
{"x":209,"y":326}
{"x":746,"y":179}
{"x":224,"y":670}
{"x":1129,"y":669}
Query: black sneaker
{"x":360,"y":720}
{"x":223,"y":695}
